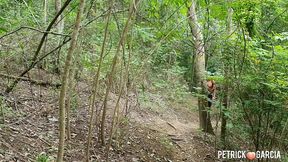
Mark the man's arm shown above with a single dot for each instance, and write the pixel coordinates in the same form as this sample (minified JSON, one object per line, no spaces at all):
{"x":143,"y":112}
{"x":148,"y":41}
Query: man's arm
{"x":214,"y":91}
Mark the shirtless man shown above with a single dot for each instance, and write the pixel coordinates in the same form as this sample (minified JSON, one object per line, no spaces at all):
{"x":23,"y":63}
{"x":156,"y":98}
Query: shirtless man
{"x":212,"y":91}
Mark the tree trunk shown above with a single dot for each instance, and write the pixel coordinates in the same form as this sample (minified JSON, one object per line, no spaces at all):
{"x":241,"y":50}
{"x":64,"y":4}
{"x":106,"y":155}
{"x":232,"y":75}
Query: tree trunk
{"x":68,"y":100}
{"x":65,"y":81}
{"x":95,"y":86}
{"x":226,"y":78}
{"x":60,"y":29}
{"x":45,"y":4}
{"x":60,"y":21}
{"x":111,"y":73}
{"x":45,"y":11}
{"x":204,"y":115}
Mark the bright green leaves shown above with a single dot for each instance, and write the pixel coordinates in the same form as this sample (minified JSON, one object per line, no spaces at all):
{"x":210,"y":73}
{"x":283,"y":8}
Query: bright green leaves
{"x":218,"y":10}
{"x":247,"y":13}
{"x":2,"y":30}
{"x":184,"y":11}
{"x":154,"y":9}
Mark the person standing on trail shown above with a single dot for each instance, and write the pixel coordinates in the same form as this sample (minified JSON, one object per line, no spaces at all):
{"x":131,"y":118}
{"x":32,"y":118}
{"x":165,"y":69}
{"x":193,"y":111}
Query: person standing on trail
{"x":211,"y":86}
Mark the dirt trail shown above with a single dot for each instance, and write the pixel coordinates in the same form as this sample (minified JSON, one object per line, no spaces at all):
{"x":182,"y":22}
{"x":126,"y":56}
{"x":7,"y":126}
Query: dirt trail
{"x":181,"y":125}
{"x":170,"y":125}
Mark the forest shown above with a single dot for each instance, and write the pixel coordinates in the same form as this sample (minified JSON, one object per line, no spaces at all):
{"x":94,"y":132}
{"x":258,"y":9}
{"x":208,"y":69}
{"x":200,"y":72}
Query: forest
{"x":143,"y":80}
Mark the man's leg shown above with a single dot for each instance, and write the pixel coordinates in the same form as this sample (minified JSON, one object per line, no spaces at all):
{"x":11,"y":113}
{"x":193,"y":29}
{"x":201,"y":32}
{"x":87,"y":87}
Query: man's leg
{"x":210,"y":100}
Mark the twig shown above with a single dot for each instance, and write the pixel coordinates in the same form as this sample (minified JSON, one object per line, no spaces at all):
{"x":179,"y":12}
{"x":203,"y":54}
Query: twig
{"x":171,"y":125}
{"x":46,"y":142}
{"x":103,"y":14}
{"x":177,"y":144}
{"x":31,"y":28}
{"x":270,"y":25}
{"x":177,"y":139}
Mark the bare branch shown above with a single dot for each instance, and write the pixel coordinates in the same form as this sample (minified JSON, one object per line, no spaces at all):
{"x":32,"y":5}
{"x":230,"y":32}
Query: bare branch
{"x":31,"y":28}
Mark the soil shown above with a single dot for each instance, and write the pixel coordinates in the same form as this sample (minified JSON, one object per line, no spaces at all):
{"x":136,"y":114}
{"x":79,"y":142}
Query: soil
{"x":146,"y":134}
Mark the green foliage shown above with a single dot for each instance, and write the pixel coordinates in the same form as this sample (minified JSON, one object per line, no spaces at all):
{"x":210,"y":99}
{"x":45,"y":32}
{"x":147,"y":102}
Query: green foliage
{"x":218,"y":79}
{"x":42,"y":158}
{"x":162,"y":49}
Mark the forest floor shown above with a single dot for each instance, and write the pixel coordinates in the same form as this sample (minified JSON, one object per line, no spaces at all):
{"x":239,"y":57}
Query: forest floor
{"x":156,"y":130}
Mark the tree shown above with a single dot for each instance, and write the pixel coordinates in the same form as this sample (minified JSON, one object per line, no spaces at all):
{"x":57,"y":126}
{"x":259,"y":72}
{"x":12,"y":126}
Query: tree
{"x":65,"y":78}
{"x":111,"y":73}
{"x":204,"y":115}
{"x":60,"y":29}
{"x":95,"y":84}
{"x":227,"y":78}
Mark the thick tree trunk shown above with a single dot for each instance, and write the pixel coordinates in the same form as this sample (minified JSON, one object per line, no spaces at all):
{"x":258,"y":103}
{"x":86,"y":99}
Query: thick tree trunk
{"x":204,"y":115}
{"x":226,"y":78}
{"x":65,"y":81}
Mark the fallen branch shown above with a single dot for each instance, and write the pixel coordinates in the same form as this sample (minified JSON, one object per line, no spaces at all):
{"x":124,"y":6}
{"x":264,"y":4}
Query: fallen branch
{"x":37,"y":82}
{"x":177,"y":144}
{"x":171,"y":125}
{"x":177,"y":139}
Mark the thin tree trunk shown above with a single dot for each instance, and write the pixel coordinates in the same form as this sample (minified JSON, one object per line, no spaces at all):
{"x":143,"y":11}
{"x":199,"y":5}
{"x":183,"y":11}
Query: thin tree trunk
{"x":95,"y":85}
{"x":65,"y":81}
{"x":115,"y":114}
{"x":127,"y":88}
{"x":71,"y":86}
{"x":60,"y":20}
{"x":68,"y":100}
{"x":60,"y":29}
{"x":45,"y":4}
{"x":45,"y":12}
{"x":226,"y":79}
{"x":2,"y":110}
{"x":111,"y":73}
{"x":204,"y":115}
{"x":122,"y":81}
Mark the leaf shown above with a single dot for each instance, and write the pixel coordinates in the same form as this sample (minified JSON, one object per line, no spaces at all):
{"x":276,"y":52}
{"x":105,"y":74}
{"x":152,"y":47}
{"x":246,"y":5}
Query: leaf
{"x":184,"y":11}
{"x":3,"y":30}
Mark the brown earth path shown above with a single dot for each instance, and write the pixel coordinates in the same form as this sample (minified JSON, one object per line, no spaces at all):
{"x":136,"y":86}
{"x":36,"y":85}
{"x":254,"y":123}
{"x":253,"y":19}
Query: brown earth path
{"x":181,"y":125}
